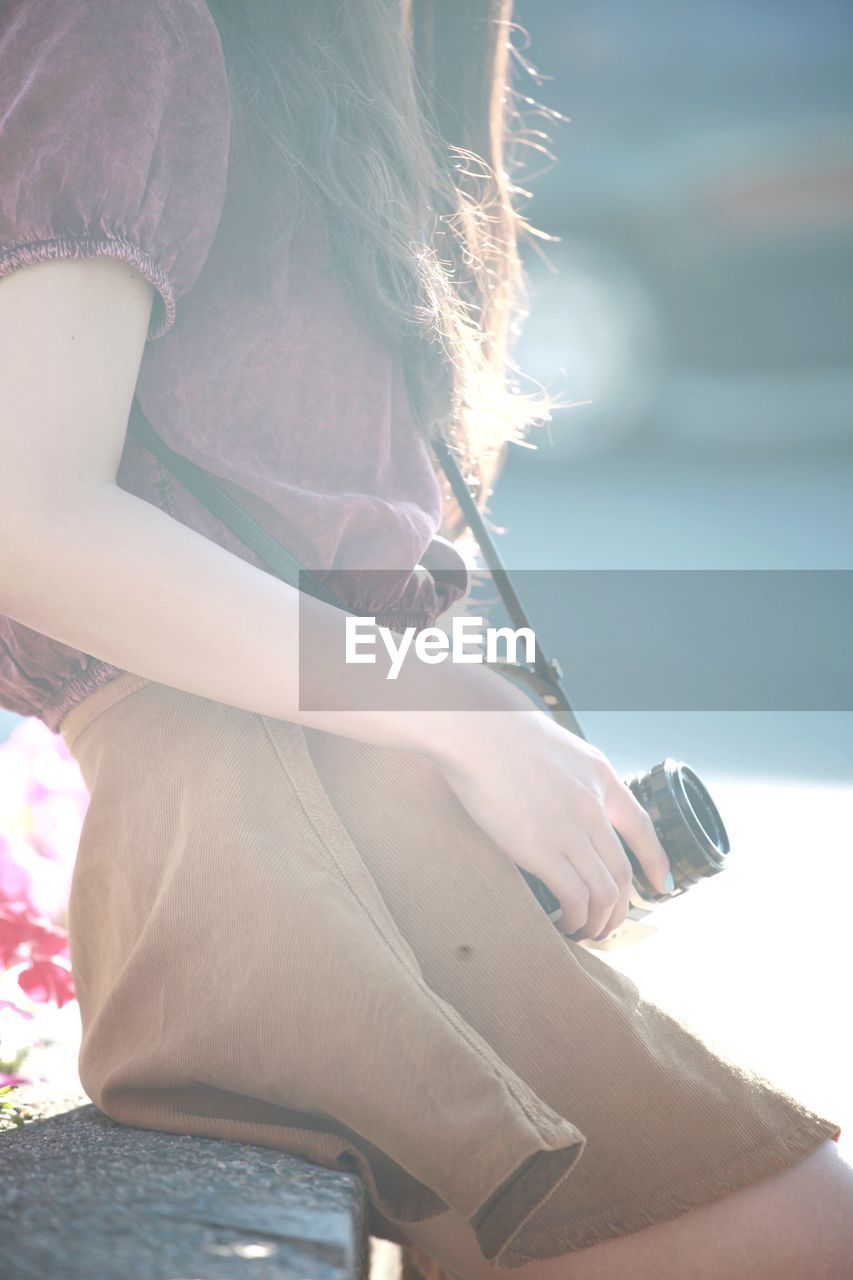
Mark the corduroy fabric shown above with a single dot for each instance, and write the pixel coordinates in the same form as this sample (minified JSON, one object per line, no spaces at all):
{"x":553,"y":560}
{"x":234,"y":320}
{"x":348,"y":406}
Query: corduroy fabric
{"x":289,"y":938}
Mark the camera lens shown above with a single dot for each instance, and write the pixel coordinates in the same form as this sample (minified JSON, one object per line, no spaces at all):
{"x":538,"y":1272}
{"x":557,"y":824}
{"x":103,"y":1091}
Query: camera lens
{"x":688,"y":825}
{"x":687,"y":822}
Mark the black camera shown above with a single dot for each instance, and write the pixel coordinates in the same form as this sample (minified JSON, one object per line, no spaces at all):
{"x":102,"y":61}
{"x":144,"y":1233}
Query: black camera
{"x":688,"y":825}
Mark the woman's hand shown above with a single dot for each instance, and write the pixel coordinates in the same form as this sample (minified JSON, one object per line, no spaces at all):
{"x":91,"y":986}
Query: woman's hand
{"x":554,"y":803}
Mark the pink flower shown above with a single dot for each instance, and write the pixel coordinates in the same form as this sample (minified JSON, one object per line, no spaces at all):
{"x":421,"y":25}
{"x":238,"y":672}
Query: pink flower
{"x":42,"y":804}
{"x":14,"y":1078}
{"x":19,"y":928}
{"x":48,"y":978}
{"x":14,"y":932}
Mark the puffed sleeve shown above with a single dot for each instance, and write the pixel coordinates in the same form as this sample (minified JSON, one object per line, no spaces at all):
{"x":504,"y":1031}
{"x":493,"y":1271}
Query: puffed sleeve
{"x":115,"y":129}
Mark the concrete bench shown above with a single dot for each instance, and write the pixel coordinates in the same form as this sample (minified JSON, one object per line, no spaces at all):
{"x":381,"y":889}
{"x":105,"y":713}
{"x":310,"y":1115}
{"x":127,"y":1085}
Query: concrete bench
{"x":85,"y":1198}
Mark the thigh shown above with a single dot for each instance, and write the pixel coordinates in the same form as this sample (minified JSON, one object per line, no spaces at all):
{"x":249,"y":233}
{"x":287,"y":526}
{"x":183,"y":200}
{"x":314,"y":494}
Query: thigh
{"x":796,"y":1223}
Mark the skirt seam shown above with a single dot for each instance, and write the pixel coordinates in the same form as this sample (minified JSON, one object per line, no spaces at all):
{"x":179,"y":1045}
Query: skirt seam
{"x":412,"y":977}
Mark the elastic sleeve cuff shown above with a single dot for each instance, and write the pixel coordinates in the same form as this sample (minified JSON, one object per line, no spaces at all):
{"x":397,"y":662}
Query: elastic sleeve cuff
{"x":163,"y":311}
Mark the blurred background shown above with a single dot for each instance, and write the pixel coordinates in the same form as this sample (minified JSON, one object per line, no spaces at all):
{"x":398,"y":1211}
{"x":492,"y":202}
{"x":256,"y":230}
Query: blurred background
{"x":701,"y":298}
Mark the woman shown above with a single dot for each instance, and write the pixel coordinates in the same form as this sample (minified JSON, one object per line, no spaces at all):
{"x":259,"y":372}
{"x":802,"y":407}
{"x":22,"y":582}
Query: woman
{"x":307,"y":929}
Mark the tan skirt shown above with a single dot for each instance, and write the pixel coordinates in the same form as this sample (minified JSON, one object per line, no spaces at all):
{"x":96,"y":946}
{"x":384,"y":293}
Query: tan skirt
{"x":288,"y":938}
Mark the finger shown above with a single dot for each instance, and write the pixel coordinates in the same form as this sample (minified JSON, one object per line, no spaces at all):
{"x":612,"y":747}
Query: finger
{"x":609,"y":849}
{"x":619,"y":916}
{"x":566,"y":885}
{"x":630,"y":819}
{"x":603,"y":892}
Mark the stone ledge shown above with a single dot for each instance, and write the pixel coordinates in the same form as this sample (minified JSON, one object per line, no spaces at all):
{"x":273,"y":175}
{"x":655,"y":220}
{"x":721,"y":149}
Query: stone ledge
{"x":83,"y":1197}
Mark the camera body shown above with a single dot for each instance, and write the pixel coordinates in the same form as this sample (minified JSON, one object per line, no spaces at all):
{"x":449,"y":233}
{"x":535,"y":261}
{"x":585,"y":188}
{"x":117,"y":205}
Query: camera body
{"x":688,"y":825}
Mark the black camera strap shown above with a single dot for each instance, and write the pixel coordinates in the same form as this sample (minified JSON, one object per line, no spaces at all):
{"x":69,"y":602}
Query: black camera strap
{"x":544,"y":675}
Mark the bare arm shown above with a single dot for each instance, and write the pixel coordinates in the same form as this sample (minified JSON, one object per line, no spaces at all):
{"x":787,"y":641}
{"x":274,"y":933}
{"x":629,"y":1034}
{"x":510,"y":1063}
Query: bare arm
{"x":85,"y":562}
{"x":101,"y":570}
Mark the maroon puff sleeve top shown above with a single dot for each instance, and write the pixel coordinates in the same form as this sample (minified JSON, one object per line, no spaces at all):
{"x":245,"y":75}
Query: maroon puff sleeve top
{"x":116,"y":139}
